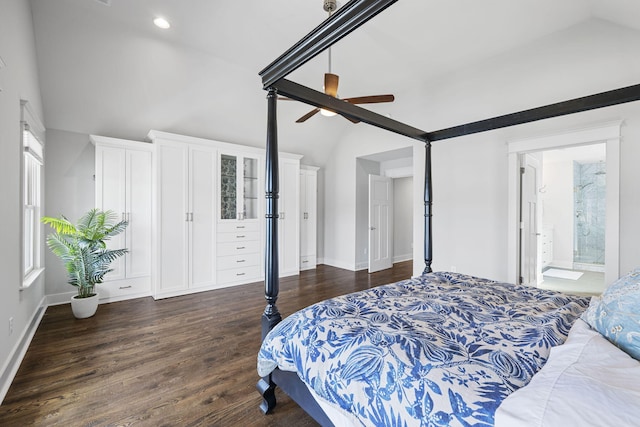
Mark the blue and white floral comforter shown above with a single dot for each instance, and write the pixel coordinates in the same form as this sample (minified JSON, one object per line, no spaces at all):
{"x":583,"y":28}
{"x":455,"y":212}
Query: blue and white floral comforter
{"x":443,"y":349}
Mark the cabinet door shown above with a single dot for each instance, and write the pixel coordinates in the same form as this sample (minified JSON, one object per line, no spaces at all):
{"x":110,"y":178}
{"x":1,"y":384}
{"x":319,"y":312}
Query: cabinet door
{"x":228,"y":185}
{"x":250,"y":190}
{"x":173,"y":218}
{"x":239,"y":187}
{"x":309,"y":184}
{"x":139,"y":213}
{"x":111,"y":195}
{"x":288,"y":211}
{"x":202,"y":216}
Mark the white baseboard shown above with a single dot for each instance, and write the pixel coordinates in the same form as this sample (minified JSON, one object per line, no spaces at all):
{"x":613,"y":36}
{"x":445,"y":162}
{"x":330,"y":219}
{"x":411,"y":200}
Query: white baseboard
{"x":567,"y":265}
{"x":17,"y":354}
{"x":402,"y":258}
{"x":362,"y":266}
{"x":339,"y":264}
{"x":57,"y":299}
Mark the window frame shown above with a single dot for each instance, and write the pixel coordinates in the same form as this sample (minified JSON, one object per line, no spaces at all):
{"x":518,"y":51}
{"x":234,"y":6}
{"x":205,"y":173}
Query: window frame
{"x":32,"y":167}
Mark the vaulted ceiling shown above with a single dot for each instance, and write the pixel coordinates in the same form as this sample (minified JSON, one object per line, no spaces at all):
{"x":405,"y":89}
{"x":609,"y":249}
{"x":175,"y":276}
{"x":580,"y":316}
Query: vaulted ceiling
{"x":106,"y":69}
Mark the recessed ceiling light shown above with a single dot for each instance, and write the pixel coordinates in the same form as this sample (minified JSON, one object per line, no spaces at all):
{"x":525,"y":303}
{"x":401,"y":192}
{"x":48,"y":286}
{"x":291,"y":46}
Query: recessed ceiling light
{"x":162,"y":23}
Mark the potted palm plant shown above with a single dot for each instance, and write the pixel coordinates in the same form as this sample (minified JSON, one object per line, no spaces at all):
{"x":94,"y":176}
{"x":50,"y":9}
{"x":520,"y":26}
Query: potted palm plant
{"x":84,"y":252}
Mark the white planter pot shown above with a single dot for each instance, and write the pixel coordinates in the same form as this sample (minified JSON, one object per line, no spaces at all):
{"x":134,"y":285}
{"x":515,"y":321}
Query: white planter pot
{"x":84,"y":307}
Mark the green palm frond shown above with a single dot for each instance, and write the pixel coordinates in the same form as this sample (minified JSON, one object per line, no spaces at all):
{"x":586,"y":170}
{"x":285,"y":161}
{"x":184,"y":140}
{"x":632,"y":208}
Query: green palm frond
{"x":82,"y":247}
{"x":61,"y":225}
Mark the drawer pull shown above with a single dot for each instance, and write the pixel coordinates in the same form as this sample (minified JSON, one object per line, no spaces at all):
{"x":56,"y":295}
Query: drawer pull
{"x":241,"y":236}
{"x":240,"y":274}
{"x":126,"y":287}
{"x":240,"y":247}
{"x":241,"y":260}
{"x":240,"y":226}
{"x":304,"y":262}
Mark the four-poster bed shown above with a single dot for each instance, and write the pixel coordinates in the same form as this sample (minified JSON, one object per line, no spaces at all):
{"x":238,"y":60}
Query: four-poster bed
{"x":351,"y":16}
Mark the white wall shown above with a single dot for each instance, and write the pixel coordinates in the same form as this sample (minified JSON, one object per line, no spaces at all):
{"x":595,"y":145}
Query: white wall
{"x":402,"y":219}
{"x":70,"y":189}
{"x":470,"y":173}
{"x":340,"y":190}
{"x":18,"y":80}
{"x":557,"y":209}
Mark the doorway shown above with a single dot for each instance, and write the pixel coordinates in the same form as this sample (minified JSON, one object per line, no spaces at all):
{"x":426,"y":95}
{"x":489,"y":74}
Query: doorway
{"x":608,"y":135}
{"x":398,"y":166}
{"x":563,"y":217}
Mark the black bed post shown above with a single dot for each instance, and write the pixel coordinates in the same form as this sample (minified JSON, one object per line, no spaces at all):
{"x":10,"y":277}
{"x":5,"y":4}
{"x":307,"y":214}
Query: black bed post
{"x":271,"y":315}
{"x":428,"y":242}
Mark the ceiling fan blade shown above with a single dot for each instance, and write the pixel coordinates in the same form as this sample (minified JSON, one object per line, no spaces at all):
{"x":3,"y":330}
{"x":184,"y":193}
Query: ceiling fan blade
{"x":331,"y":84}
{"x":308,"y":115}
{"x":373,"y":99}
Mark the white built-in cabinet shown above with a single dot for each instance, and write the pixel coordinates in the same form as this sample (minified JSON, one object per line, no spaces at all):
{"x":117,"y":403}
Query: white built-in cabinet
{"x":308,"y":216}
{"x":197,"y":214}
{"x":239,"y":234}
{"x":186,"y":208}
{"x":289,"y":215}
{"x":124,"y":185}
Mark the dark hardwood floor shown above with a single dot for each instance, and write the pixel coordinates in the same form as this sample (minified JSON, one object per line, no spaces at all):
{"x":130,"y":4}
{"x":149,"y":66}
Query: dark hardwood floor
{"x":183,"y":361}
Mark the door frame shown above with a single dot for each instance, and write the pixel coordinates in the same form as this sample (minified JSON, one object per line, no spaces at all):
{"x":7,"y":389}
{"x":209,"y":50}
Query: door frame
{"x":525,"y":161}
{"x":608,"y":133}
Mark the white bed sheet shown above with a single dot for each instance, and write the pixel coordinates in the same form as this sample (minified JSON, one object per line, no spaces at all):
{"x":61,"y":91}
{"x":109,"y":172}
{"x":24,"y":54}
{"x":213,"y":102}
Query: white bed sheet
{"x":586,"y":382}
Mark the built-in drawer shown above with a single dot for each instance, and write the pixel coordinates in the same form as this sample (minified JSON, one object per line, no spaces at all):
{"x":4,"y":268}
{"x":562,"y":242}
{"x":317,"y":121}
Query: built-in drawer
{"x":238,"y":236}
{"x":117,"y":289}
{"x":246,"y":274}
{"x":307,"y":262}
{"x":238,"y":261}
{"x":231,"y":227}
{"x":237,"y":248}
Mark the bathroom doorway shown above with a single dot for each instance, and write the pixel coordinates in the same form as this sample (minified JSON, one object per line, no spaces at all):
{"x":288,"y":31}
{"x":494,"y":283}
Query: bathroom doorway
{"x":573,"y":201}
{"x":605,"y":135}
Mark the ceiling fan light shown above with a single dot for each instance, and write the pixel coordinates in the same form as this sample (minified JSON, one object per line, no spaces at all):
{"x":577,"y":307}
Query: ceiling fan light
{"x":327,"y":113}
{"x":161,"y":23}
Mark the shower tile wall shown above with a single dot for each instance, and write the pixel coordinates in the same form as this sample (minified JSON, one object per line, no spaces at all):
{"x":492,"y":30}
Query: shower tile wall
{"x":589,"y":212}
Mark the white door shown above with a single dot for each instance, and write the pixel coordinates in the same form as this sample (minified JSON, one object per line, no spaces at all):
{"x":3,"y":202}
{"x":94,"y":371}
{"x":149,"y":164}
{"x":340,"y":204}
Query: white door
{"x":139,"y":213}
{"x":173,"y":217}
{"x":111,"y":195}
{"x":288,"y":224}
{"x":308,"y":212}
{"x":202,"y":211}
{"x":380,"y":223}
{"x":530,"y":221}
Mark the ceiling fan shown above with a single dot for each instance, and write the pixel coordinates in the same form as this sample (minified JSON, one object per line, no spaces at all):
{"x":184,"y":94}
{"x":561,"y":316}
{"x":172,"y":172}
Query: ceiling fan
{"x":331,"y":84}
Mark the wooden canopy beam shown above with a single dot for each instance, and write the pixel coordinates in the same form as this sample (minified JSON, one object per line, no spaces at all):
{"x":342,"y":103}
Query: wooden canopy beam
{"x":577,"y":105}
{"x":346,"y":19}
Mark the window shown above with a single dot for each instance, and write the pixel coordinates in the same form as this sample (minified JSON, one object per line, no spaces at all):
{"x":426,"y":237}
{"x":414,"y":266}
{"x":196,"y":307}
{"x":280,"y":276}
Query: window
{"x":32,"y":163}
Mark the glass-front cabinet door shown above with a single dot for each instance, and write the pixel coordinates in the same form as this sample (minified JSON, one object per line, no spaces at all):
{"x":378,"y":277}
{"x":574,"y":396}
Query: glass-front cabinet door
{"x":238,"y":187}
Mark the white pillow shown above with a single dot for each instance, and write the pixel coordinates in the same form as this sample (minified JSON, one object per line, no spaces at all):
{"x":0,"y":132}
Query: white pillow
{"x":587,"y":381}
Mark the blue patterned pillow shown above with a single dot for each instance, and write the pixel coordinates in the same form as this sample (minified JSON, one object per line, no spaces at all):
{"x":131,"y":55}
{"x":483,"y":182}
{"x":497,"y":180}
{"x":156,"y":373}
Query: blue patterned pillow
{"x":616,"y":314}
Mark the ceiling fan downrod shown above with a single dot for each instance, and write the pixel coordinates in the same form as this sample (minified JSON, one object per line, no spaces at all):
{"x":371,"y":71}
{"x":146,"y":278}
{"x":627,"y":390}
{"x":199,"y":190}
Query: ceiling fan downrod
{"x":330,"y":6}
